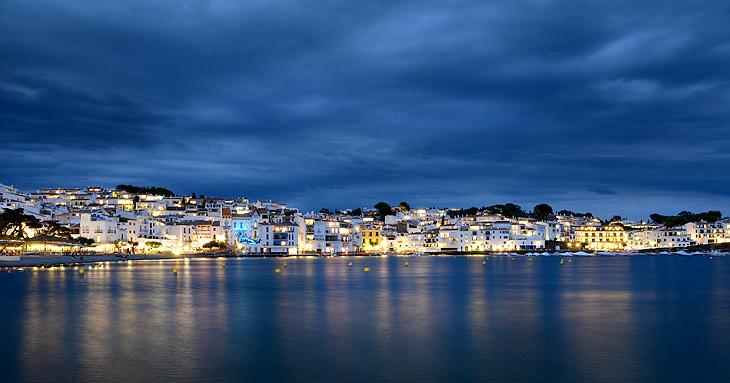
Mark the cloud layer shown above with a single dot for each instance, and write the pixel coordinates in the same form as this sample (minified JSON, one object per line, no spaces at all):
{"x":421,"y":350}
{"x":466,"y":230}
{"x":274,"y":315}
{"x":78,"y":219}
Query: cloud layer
{"x":614,"y":107}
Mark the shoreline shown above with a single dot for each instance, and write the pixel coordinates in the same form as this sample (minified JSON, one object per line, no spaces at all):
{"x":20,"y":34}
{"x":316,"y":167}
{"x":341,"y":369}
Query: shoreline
{"x":66,"y":260}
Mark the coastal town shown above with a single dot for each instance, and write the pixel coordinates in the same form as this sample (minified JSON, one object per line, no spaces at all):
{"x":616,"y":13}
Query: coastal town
{"x":133,"y":220}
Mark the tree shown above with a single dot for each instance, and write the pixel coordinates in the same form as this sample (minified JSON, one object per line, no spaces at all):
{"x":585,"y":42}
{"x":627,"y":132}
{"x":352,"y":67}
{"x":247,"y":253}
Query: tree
{"x":383,"y":210}
{"x":658,"y":218}
{"x":54,"y":229}
{"x":117,"y":245}
{"x":542,"y":210}
{"x":507,"y":210}
{"x":85,"y":241}
{"x":616,"y":218}
{"x":404,"y":207}
{"x":710,"y":216}
{"x":357,"y":212}
{"x":153,"y":244}
{"x":674,"y":221}
{"x":213,"y":244}
{"x":13,"y":223}
{"x":685,"y":214}
{"x":324,"y":210}
{"x":134,"y":245}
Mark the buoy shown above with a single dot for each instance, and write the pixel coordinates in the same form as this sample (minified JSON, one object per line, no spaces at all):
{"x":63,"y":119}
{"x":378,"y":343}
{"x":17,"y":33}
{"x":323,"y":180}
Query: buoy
{"x":174,"y":271}
{"x":530,"y":259}
{"x":513,"y":258}
{"x":81,"y":271}
{"x":561,"y":261}
{"x":277,"y":271}
{"x":570,"y":260}
{"x":285,"y":264}
{"x":367,"y":269}
{"x":484,"y":262}
{"x":406,"y":263}
{"x":350,"y":264}
{"x":223,"y":265}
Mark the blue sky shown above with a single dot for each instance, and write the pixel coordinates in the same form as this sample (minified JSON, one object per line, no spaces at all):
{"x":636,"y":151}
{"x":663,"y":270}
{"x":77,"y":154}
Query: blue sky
{"x":610,"y":107}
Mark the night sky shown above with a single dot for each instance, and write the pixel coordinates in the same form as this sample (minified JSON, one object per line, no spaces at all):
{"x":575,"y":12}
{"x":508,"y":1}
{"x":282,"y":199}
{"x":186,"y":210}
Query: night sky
{"x":612,"y":107}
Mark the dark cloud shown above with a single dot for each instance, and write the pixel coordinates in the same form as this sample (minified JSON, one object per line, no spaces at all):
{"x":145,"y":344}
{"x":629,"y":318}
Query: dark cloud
{"x":329,"y":104}
{"x":601,"y":191}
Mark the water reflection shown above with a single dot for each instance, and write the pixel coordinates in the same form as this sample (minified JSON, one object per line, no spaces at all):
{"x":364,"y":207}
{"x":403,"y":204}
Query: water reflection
{"x":439,"y":319}
{"x":597,"y":321}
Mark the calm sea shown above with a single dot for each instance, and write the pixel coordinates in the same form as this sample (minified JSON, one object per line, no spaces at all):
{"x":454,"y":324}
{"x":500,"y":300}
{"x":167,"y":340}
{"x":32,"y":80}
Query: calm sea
{"x":440,"y":319}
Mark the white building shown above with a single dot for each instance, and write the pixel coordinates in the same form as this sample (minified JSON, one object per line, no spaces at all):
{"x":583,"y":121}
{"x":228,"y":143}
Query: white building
{"x":672,"y":237}
{"x":331,"y":237}
{"x":11,"y":194}
{"x":279,"y":238}
{"x":704,"y":233}
{"x":102,"y":229}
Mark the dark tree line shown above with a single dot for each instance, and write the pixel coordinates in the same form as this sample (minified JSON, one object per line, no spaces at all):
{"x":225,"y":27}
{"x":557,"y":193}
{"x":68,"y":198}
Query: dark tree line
{"x":685,"y":217}
{"x":573,"y":214}
{"x":154,"y":190}
{"x":540,"y":211}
